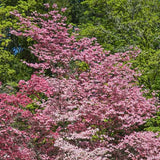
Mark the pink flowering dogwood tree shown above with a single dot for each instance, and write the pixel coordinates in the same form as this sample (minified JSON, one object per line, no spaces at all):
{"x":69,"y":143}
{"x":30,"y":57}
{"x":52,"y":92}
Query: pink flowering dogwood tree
{"x":92,"y":105}
{"x":24,"y":135}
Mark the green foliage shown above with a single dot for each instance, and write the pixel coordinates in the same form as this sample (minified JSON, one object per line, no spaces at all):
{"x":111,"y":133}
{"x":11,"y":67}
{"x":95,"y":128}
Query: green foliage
{"x":7,"y":20}
{"x":11,"y":69}
{"x":153,"y":124}
{"x":20,"y":124}
{"x":32,"y":107}
{"x":120,"y":23}
{"x":82,"y":66}
{"x":79,"y":66}
{"x":37,"y":97}
{"x":74,"y":11}
{"x":148,"y":62}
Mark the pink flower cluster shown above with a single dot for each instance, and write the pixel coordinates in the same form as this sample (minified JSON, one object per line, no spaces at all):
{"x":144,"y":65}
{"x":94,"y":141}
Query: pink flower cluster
{"x":142,"y":145}
{"x":92,"y":98}
{"x":24,"y":135}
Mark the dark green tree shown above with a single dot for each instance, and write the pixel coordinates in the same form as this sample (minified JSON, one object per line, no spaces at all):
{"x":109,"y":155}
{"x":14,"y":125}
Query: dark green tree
{"x":118,"y":24}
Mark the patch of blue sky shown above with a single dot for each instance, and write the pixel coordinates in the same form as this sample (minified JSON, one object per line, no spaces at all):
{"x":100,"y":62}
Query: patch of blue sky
{"x":17,"y":50}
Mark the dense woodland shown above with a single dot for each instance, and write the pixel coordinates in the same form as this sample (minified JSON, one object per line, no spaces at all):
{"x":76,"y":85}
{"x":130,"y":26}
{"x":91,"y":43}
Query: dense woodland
{"x":79,"y":79}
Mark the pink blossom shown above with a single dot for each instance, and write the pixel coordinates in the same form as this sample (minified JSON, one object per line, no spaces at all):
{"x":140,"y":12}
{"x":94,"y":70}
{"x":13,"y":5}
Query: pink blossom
{"x":46,"y":5}
{"x":88,"y":105}
{"x":63,"y":9}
